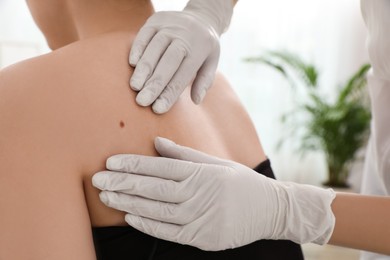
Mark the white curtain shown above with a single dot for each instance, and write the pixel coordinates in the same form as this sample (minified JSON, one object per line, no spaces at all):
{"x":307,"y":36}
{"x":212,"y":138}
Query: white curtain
{"x":330,"y":34}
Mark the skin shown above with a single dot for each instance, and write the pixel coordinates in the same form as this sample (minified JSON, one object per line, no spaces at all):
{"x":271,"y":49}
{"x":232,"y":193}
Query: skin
{"x":72,"y":108}
{"x":64,"y":113}
{"x":362,"y":222}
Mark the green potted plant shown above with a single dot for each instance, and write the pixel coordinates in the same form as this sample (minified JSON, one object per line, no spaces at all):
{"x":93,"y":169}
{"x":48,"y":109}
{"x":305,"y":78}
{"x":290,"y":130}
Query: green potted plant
{"x":339,"y":128}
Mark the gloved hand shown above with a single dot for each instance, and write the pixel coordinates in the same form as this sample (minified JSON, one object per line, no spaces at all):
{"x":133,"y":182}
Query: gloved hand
{"x":173,"y":48}
{"x":210,"y":203}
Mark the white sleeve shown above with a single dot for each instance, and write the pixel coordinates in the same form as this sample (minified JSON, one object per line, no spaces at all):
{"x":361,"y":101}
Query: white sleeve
{"x":376,"y":14}
{"x":376,"y":179}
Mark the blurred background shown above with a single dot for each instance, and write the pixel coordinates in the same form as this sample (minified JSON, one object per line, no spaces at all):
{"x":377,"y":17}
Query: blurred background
{"x":329,"y":34}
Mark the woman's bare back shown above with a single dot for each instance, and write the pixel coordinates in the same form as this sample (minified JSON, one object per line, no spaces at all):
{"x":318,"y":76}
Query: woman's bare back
{"x":68,"y":111}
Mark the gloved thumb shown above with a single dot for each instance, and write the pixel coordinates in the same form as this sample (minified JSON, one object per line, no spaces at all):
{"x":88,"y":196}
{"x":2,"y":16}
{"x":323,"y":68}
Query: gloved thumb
{"x":169,"y":149}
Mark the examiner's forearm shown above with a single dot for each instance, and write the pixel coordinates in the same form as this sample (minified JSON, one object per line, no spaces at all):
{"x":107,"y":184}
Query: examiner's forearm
{"x":362,"y":222}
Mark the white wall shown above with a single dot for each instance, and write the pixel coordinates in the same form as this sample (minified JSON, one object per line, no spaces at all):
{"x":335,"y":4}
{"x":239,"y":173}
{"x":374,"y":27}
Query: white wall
{"x":19,"y":37}
{"x":328,"y":33}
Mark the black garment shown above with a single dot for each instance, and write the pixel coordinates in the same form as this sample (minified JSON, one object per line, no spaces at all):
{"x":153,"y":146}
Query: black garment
{"x":117,"y":243}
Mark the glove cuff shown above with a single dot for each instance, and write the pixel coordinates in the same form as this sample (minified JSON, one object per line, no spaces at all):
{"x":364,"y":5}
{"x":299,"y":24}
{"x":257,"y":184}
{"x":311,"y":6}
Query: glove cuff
{"x":308,"y":214}
{"x":217,"y":13}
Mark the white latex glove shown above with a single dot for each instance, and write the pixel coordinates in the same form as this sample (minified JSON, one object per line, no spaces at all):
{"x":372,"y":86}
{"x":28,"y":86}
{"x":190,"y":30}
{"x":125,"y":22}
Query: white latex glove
{"x":210,"y":203}
{"x":173,"y":48}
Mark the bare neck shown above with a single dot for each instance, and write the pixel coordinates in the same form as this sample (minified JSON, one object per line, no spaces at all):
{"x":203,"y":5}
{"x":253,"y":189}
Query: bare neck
{"x":86,"y":19}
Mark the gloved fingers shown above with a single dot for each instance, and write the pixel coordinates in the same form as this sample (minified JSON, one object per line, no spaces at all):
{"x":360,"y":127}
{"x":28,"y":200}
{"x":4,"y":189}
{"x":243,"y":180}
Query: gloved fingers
{"x":169,"y":149}
{"x":166,"y":68}
{"x":151,"y":209}
{"x":140,"y":43}
{"x":149,"y":60}
{"x":158,"y":229}
{"x":204,"y":79}
{"x":165,"y":168}
{"x":176,"y":86}
{"x":145,"y":186}
{"x":113,"y":181}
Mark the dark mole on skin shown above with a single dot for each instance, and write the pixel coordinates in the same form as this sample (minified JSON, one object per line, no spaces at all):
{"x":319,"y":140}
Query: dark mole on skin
{"x":121,"y":124}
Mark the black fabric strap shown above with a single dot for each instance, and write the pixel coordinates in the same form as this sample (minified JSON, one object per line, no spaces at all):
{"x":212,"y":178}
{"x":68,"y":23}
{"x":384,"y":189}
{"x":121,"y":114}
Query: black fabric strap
{"x":264,"y":168}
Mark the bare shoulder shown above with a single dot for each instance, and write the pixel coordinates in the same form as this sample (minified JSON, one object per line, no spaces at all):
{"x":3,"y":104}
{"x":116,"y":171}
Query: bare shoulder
{"x":59,"y":90}
{"x":58,"y":112}
{"x":42,"y":199}
{"x":70,"y":64}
